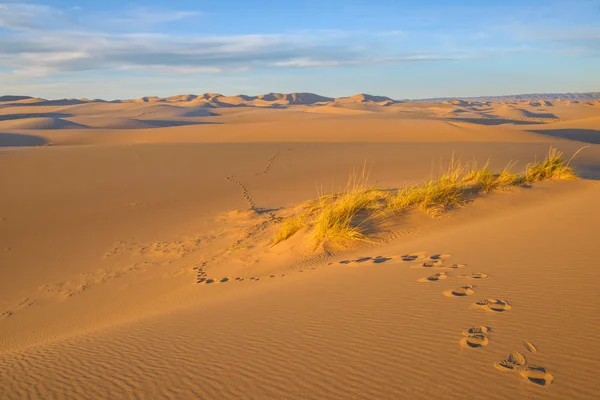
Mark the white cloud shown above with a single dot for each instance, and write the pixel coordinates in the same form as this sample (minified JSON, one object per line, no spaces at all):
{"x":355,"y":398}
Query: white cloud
{"x":145,"y":17}
{"x":35,"y":47}
{"x":26,"y":16}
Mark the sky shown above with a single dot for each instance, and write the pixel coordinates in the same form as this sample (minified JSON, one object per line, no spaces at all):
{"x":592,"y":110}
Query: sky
{"x":113,"y":49}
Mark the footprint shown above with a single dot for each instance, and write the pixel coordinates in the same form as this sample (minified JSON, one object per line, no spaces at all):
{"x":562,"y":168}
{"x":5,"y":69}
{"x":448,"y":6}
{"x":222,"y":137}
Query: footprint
{"x":530,"y":347}
{"x":209,"y":281}
{"x":375,"y":260}
{"x":477,"y":330}
{"x":474,"y":275}
{"x":381,"y":259}
{"x":433,"y":278}
{"x":431,"y":264}
{"x":514,"y":362}
{"x":494,"y":305}
{"x":408,"y":257}
{"x":475,"y":341}
{"x":538,"y":375}
{"x":223,"y":280}
{"x":475,"y":337}
{"x":461,"y":291}
{"x":440,"y":264}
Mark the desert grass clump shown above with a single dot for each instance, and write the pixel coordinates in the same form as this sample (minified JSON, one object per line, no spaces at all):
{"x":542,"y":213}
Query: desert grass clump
{"x":552,"y":167}
{"x":338,"y":219}
{"x":480,"y":179}
{"x":507,"y":178}
{"x":441,"y":194}
{"x":289,"y":227}
{"x":349,"y":215}
{"x":435,"y":195}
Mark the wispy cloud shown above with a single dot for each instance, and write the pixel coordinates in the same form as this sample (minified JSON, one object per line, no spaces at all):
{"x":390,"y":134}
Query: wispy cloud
{"x":147,"y":16}
{"x":25,"y":16}
{"x":37,"y":46}
{"x":77,"y":51}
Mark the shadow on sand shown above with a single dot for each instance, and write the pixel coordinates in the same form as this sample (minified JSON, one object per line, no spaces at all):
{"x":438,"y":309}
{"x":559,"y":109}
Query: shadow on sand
{"x":169,"y":123}
{"x":12,"y":117}
{"x":495,"y":121}
{"x":19,"y":140}
{"x":591,"y":136}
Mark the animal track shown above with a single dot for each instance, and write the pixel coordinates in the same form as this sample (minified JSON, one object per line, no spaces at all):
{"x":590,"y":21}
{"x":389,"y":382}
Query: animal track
{"x":23,"y":303}
{"x":409,"y":257}
{"x":440,"y":264}
{"x":434,"y":278}
{"x":494,"y":305}
{"x":271,"y":163}
{"x":439,"y":256}
{"x":538,"y":375}
{"x":374,"y":260}
{"x":178,"y":248}
{"x":461,"y":291}
{"x":475,"y":337}
{"x":516,"y":362}
{"x":245,"y":191}
{"x":201,"y":276}
{"x":474,"y":275}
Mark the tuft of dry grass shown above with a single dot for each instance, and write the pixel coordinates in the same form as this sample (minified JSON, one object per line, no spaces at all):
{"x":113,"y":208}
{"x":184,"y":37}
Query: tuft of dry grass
{"x":480,"y":179}
{"x":337,"y":218}
{"x":289,"y":227}
{"x":435,"y":195}
{"x":552,"y":167}
{"x":344,"y":217}
{"x":506,"y":178}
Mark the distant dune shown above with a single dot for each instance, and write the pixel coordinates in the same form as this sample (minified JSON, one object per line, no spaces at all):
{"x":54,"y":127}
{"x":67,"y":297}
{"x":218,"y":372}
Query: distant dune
{"x":526,"y":97}
{"x":41,"y":123}
{"x":540,"y":99}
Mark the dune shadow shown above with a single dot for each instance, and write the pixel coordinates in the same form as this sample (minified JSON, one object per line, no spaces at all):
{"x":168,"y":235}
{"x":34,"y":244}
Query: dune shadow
{"x":495,"y":121}
{"x":20,"y":140}
{"x":591,"y":136}
{"x":170,"y":123}
{"x":48,"y":103}
{"x":530,"y":114}
{"x":12,"y":117}
{"x":588,"y":171}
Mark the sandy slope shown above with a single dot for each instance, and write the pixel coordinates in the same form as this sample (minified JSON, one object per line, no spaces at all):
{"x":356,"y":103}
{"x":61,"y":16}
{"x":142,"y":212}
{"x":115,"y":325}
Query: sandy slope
{"x":101,"y":245}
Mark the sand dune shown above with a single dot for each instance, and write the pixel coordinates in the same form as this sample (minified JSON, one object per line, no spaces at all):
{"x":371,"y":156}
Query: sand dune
{"x":137,"y":256}
{"x":14,"y":139}
{"x":41,"y":123}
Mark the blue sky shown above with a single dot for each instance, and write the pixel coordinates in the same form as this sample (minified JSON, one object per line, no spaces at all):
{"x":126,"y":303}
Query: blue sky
{"x":403,"y":49}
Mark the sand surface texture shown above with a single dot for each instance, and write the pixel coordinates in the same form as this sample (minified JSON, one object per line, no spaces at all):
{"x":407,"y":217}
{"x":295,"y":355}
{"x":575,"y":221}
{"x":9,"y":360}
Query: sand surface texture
{"x":136,"y":256}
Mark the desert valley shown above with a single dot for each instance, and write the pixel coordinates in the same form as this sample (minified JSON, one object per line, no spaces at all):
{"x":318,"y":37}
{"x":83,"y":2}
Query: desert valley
{"x":177,"y":248}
